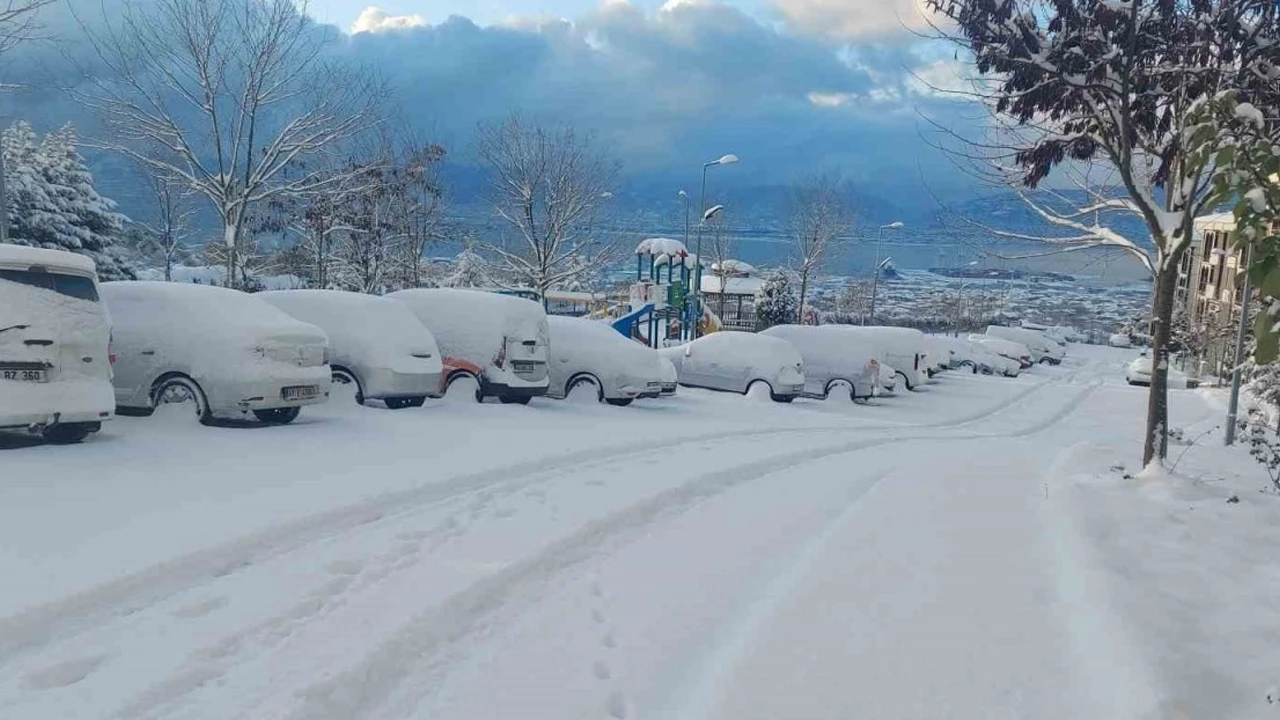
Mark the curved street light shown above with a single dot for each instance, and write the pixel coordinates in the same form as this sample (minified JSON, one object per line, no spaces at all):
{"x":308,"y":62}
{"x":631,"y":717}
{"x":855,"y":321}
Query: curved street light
{"x":726,"y":159}
{"x":875,"y":278}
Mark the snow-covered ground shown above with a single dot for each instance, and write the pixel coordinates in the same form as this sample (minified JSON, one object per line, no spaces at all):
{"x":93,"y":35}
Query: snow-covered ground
{"x":970,"y":550}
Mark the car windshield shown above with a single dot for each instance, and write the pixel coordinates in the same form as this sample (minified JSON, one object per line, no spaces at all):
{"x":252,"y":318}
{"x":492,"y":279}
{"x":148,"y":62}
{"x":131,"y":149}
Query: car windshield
{"x":75,"y":286}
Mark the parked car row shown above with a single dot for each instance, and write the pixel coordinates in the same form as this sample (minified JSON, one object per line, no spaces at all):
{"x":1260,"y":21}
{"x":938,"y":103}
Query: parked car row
{"x":73,"y":352}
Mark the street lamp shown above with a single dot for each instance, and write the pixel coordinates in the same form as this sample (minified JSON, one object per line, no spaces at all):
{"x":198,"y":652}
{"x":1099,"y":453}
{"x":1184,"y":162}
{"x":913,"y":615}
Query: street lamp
{"x":727,"y":159}
{"x":875,"y":278}
{"x":685,"y":196}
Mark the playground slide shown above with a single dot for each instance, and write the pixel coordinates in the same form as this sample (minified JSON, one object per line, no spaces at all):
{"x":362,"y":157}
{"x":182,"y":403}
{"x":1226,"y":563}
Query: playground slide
{"x":629,"y":324}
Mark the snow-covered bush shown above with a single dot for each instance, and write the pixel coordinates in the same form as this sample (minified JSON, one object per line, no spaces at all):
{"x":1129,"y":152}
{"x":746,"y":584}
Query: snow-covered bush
{"x":53,"y":203}
{"x":777,"y":303}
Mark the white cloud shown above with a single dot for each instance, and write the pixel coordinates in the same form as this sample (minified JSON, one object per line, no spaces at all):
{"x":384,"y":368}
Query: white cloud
{"x":943,"y":77}
{"x":848,"y":19}
{"x":830,"y":100}
{"x":375,"y":20}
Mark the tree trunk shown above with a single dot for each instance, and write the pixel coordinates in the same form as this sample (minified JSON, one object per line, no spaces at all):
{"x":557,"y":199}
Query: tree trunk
{"x":804,"y":288}
{"x":1157,"y":436}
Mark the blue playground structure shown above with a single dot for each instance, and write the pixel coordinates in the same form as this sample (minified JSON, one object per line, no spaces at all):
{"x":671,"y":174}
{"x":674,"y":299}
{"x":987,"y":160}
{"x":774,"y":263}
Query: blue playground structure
{"x":662,"y":306}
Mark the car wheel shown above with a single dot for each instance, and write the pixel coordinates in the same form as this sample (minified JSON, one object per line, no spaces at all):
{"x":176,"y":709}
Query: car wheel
{"x":580,"y":386}
{"x":176,"y":389}
{"x":759,"y":390}
{"x":619,"y":402}
{"x":781,"y":398}
{"x":906,"y":382}
{"x":343,"y":376}
{"x":515,"y":400}
{"x":463,"y":385}
{"x":70,"y":433}
{"x":277,"y":416}
{"x":837,"y":386}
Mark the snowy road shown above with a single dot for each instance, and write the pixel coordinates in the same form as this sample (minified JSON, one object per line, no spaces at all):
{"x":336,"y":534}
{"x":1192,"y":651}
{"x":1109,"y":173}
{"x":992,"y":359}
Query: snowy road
{"x":707,"y":557}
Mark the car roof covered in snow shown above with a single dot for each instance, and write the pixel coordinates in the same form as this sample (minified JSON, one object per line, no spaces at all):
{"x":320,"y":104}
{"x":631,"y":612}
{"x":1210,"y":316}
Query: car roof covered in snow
{"x":22,"y":256}
{"x":174,"y":306}
{"x":357,"y":324}
{"x":471,"y":324}
{"x":597,"y":343}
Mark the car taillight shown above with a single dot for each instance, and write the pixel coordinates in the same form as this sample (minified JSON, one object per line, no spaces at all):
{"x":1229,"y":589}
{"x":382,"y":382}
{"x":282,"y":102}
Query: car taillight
{"x":111,"y":349}
{"x":501,"y":357}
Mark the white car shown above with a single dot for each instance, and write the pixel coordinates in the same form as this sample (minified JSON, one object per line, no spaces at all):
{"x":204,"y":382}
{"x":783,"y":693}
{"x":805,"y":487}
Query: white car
{"x":55,"y":366}
{"x":888,"y":380}
{"x":902,"y":348}
{"x":505,"y":338}
{"x":1139,"y":373}
{"x":375,"y":344}
{"x":939,"y":352}
{"x":591,"y":354}
{"x":1014,"y":351}
{"x":1120,"y":340}
{"x":833,"y":359}
{"x":1043,"y":350}
{"x":735,"y":361}
{"x":226,"y":352}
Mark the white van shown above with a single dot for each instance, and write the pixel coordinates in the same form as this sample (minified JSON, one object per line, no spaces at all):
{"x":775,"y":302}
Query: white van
{"x":1043,"y":350}
{"x":226,"y":352}
{"x":504,"y":336}
{"x":901,"y":348}
{"x":1010,"y":349}
{"x":55,"y":361}
{"x":375,"y":344}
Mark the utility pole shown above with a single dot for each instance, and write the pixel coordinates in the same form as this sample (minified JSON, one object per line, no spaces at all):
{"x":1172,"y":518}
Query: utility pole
{"x":1234,"y":405}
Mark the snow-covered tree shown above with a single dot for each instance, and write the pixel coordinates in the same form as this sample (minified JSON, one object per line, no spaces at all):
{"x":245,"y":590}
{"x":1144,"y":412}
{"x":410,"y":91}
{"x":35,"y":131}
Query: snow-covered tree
{"x":777,"y":303}
{"x":54,"y":204}
{"x":1110,"y":94}
{"x":226,"y":95}
{"x":820,"y":219}
{"x":469,"y":269}
{"x":546,"y":184}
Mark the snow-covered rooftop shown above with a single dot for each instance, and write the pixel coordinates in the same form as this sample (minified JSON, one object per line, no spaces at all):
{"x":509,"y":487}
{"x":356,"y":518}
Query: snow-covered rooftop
{"x":735,"y":266}
{"x":732,"y":285}
{"x":1216,"y":221}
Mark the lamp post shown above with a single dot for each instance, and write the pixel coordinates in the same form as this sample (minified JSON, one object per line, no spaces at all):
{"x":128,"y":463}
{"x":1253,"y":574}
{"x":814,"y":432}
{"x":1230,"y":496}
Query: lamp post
{"x":685,"y":196}
{"x":728,"y":159}
{"x":875,"y":277}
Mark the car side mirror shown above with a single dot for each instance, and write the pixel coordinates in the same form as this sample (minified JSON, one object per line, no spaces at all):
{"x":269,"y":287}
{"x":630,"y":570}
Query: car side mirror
{"x":688,"y":351}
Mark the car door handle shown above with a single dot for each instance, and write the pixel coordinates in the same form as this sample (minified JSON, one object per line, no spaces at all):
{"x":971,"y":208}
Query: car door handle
{"x":44,"y":343}
{"x":148,"y":352}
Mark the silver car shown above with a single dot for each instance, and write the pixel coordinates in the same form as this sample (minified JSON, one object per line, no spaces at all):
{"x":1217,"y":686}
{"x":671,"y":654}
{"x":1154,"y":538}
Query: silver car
{"x":735,"y":361}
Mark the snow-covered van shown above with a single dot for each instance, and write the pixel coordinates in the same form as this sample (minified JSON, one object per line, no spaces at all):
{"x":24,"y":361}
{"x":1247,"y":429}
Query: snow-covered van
{"x":226,"y":352}
{"x":55,"y":365}
{"x":902,"y":348}
{"x":832,"y":359}
{"x":1010,"y":349}
{"x":736,"y":361}
{"x":591,"y":355}
{"x":503,"y":335}
{"x":1043,"y":350}
{"x":375,"y":344}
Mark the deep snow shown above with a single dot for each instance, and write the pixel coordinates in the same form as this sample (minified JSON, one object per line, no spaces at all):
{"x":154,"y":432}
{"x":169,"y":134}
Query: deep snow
{"x":969,"y":550}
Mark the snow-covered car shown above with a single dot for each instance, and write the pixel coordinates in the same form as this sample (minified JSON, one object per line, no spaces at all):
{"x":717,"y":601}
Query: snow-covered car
{"x":985,"y":361}
{"x":1119,"y":340}
{"x":902,"y":348}
{"x":226,"y":352}
{"x":1014,"y":351}
{"x":1139,"y":373}
{"x":55,"y":364}
{"x":833,"y":359}
{"x":736,"y":361}
{"x":587,"y":354}
{"x":375,"y":344}
{"x":670,"y":378}
{"x":939,"y":353}
{"x":506,"y":337}
{"x":888,"y":380}
{"x":1043,"y":350}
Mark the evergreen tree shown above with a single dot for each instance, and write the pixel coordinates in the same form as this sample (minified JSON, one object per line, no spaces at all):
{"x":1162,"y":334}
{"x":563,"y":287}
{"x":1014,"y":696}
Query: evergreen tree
{"x":777,"y":303}
{"x":52,"y":202}
{"x":469,"y":270}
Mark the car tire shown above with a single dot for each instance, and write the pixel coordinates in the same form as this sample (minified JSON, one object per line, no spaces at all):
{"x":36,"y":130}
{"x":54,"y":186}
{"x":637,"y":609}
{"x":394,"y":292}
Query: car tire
{"x":70,"y":433}
{"x":277,"y":416}
{"x":582,"y":381}
{"x":515,"y":399}
{"x":463,"y":376}
{"x":853,"y":392}
{"x":343,"y":376}
{"x":619,"y":402}
{"x":784,"y":399}
{"x":401,"y":403}
{"x":177,"y":388}
{"x":905,"y":381}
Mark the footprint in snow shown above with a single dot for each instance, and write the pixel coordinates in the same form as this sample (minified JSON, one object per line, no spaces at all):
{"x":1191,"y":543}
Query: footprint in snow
{"x":345,"y":567}
{"x":68,"y":672}
{"x":617,"y":705}
{"x":601,"y":670}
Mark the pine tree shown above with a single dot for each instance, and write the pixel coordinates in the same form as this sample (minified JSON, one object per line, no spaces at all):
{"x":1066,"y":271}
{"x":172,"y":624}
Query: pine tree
{"x":469,"y":270}
{"x":777,"y":303}
{"x":53,"y":203}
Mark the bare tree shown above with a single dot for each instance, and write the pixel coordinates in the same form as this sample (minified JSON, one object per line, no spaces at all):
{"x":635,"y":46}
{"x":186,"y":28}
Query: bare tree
{"x":167,"y":232}
{"x":546,"y":184}
{"x":720,"y":250}
{"x":225,"y":95}
{"x":820,"y":219}
{"x":1108,"y":93}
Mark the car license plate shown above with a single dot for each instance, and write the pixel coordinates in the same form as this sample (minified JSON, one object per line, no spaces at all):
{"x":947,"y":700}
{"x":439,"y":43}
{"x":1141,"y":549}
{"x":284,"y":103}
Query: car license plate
{"x":301,"y":392}
{"x":25,"y":375}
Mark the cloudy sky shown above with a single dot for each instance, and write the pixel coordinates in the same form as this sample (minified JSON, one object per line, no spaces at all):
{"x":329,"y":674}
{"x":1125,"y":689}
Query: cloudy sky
{"x":791,"y":86}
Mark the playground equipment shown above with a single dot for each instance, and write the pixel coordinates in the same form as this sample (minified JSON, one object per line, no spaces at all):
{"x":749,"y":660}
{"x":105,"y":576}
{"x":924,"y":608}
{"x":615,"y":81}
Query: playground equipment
{"x":660,"y":307}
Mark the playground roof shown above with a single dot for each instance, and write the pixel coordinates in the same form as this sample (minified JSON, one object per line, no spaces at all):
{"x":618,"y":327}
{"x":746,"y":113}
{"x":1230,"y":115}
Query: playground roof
{"x":661,"y":246}
{"x":732,"y":286}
